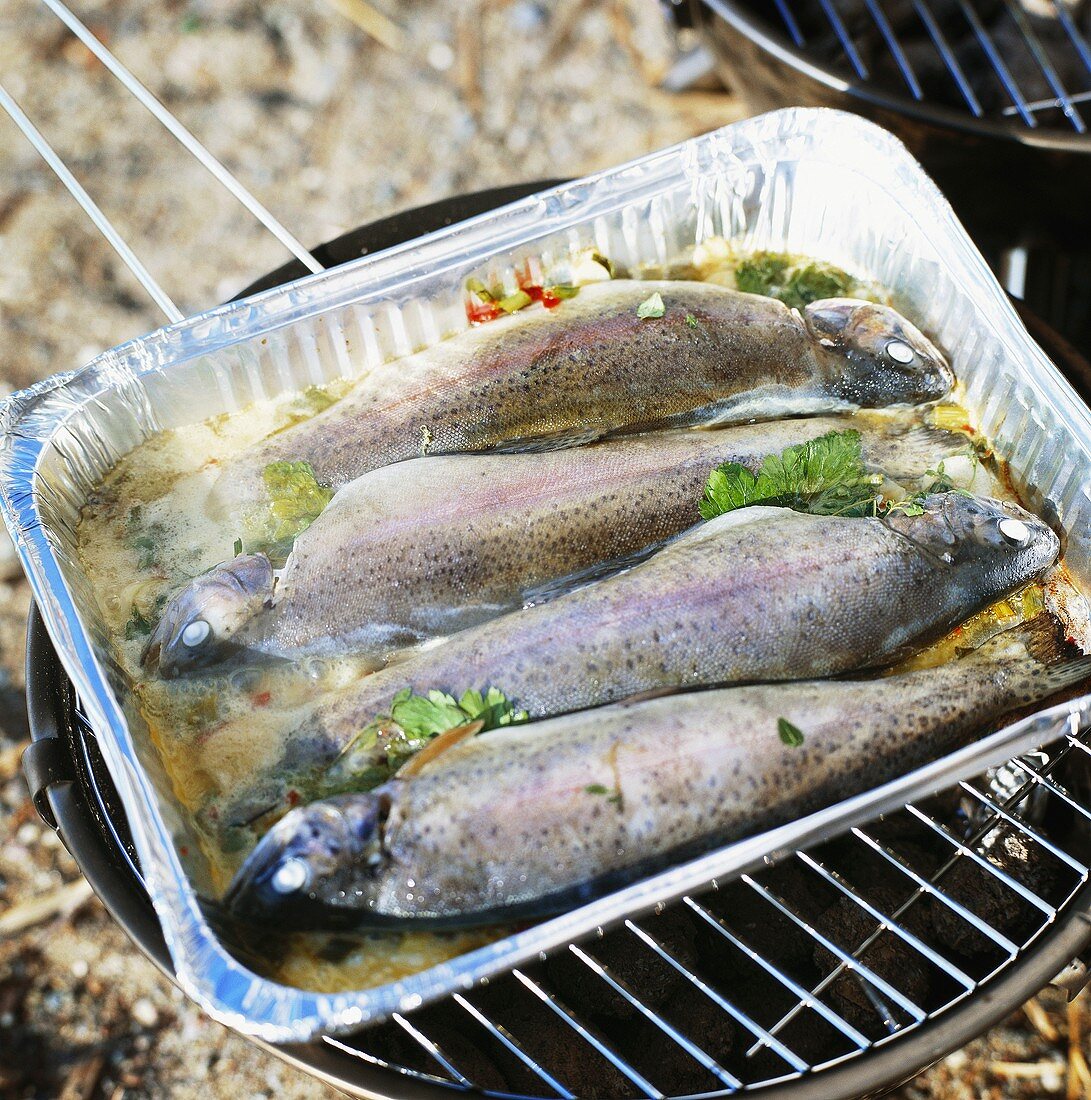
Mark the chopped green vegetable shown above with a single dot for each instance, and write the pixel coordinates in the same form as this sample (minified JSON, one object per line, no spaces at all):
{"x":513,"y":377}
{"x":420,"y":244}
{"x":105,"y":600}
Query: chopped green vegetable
{"x":911,"y":506}
{"x":297,"y":498}
{"x":652,"y":306}
{"x":515,"y":302}
{"x":825,"y":476}
{"x":562,"y":290}
{"x":691,"y":320}
{"x":814,"y":281}
{"x":762,"y":273}
{"x":140,"y":622}
{"x":317,"y":398}
{"x":795,"y":283}
{"x":614,"y":797}
{"x":476,"y":286}
{"x":146,"y":551}
{"x":605,"y":262}
{"x":238,"y":547}
{"x":791,"y":735}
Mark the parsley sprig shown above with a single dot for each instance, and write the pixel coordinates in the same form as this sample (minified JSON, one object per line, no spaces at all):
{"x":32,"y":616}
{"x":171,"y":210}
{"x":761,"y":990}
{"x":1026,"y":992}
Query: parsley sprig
{"x":389,"y":740}
{"x":825,"y":476}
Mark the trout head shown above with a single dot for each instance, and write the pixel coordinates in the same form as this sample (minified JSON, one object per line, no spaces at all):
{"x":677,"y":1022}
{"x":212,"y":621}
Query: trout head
{"x":315,"y":867}
{"x":200,"y":621}
{"x":992,"y":547}
{"x":874,"y":356}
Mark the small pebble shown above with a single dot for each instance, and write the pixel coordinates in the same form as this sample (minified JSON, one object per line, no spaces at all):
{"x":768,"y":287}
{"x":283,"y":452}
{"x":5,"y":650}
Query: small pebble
{"x":144,"y":1013}
{"x":440,"y":56}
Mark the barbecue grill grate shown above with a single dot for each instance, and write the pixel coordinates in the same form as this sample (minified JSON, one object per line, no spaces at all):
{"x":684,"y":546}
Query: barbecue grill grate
{"x":785,"y":1021}
{"x":804,"y":965}
{"x":1023,"y":61}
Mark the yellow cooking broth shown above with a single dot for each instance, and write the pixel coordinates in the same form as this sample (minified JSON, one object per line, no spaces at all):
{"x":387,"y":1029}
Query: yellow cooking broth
{"x":213,"y":733}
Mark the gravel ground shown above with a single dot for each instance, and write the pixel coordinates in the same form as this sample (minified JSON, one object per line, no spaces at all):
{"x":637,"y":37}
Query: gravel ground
{"x":332,"y":118}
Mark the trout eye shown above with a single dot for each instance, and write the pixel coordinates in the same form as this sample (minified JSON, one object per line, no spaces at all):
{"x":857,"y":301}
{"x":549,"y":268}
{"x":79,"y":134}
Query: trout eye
{"x":290,"y":877}
{"x":1014,"y":531}
{"x":195,"y":633}
{"x":900,"y":352}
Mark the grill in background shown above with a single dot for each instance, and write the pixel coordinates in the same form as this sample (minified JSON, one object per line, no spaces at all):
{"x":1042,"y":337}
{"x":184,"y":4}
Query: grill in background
{"x":992,"y":96}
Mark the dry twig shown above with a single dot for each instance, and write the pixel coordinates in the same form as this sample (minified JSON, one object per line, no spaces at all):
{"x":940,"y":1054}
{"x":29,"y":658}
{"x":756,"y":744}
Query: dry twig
{"x":64,"y":900}
{"x":83,"y":1077}
{"x":1040,"y":1020}
{"x":373,"y":22}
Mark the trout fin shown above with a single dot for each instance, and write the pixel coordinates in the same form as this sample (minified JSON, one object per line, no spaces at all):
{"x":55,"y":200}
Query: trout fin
{"x":548,"y":441}
{"x":437,"y":746}
{"x":561,"y":586}
{"x":1043,"y":638}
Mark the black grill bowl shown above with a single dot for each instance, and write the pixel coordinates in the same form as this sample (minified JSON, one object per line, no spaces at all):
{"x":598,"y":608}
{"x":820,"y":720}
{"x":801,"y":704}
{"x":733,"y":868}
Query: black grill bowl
{"x":1004,"y":178}
{"x":74,"y":793}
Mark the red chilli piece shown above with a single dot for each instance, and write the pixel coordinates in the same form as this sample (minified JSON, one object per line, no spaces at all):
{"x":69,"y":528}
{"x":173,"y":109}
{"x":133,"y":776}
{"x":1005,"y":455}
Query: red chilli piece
{"x":478,"y":313}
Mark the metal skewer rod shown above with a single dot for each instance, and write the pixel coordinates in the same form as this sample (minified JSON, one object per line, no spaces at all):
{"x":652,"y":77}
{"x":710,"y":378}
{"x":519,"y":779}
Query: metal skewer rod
{"x":90,"y":207}
{"x":179,"y":132}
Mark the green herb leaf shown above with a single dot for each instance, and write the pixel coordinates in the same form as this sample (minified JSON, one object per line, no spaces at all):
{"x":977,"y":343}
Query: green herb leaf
{"x":652,"y":306}
{"x":389,"y":740}
{"x":597,"y":788}
{"x":791,"y":735}
{"x":814,"y":281}
{"x":238,"y":547}
{"x":691,"y":320}
{"x":824,"y":476}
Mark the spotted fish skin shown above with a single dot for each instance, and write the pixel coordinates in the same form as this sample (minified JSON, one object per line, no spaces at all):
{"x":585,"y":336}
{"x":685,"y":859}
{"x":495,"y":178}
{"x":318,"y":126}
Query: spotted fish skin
{"x":592,"y":367}
{"x":428,"y":547}
{"x":760,"y":594}
{"x":539,"y":818}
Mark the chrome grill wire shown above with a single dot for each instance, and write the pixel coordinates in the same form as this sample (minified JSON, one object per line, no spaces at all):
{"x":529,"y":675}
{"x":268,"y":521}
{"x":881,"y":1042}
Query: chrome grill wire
{"x":896,"y":1008}
{"x":829,"y":28}
{"x":176,"y":129}
{"x":898,"y":1011}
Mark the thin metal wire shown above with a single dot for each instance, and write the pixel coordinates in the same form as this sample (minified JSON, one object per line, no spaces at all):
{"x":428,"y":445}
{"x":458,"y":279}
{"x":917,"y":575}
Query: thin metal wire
{"x":680,"y":1040}
{"x":1077,"y":39}
{"x":181,"y":134}
{"x":1026,"y":827}
{"x":433,"y":1050}
{"x":1041,"y":59}
{"x":844,"y":38}
{"x":507,"y":1040}
{"x":888,"y":923}
{"x":89,"y":206}
{"x":895,"y":47}
{"x":774,"y":971}
{"x":567,"y":1017}
{"x":986,"y":929}
{"x":948,"y":56}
